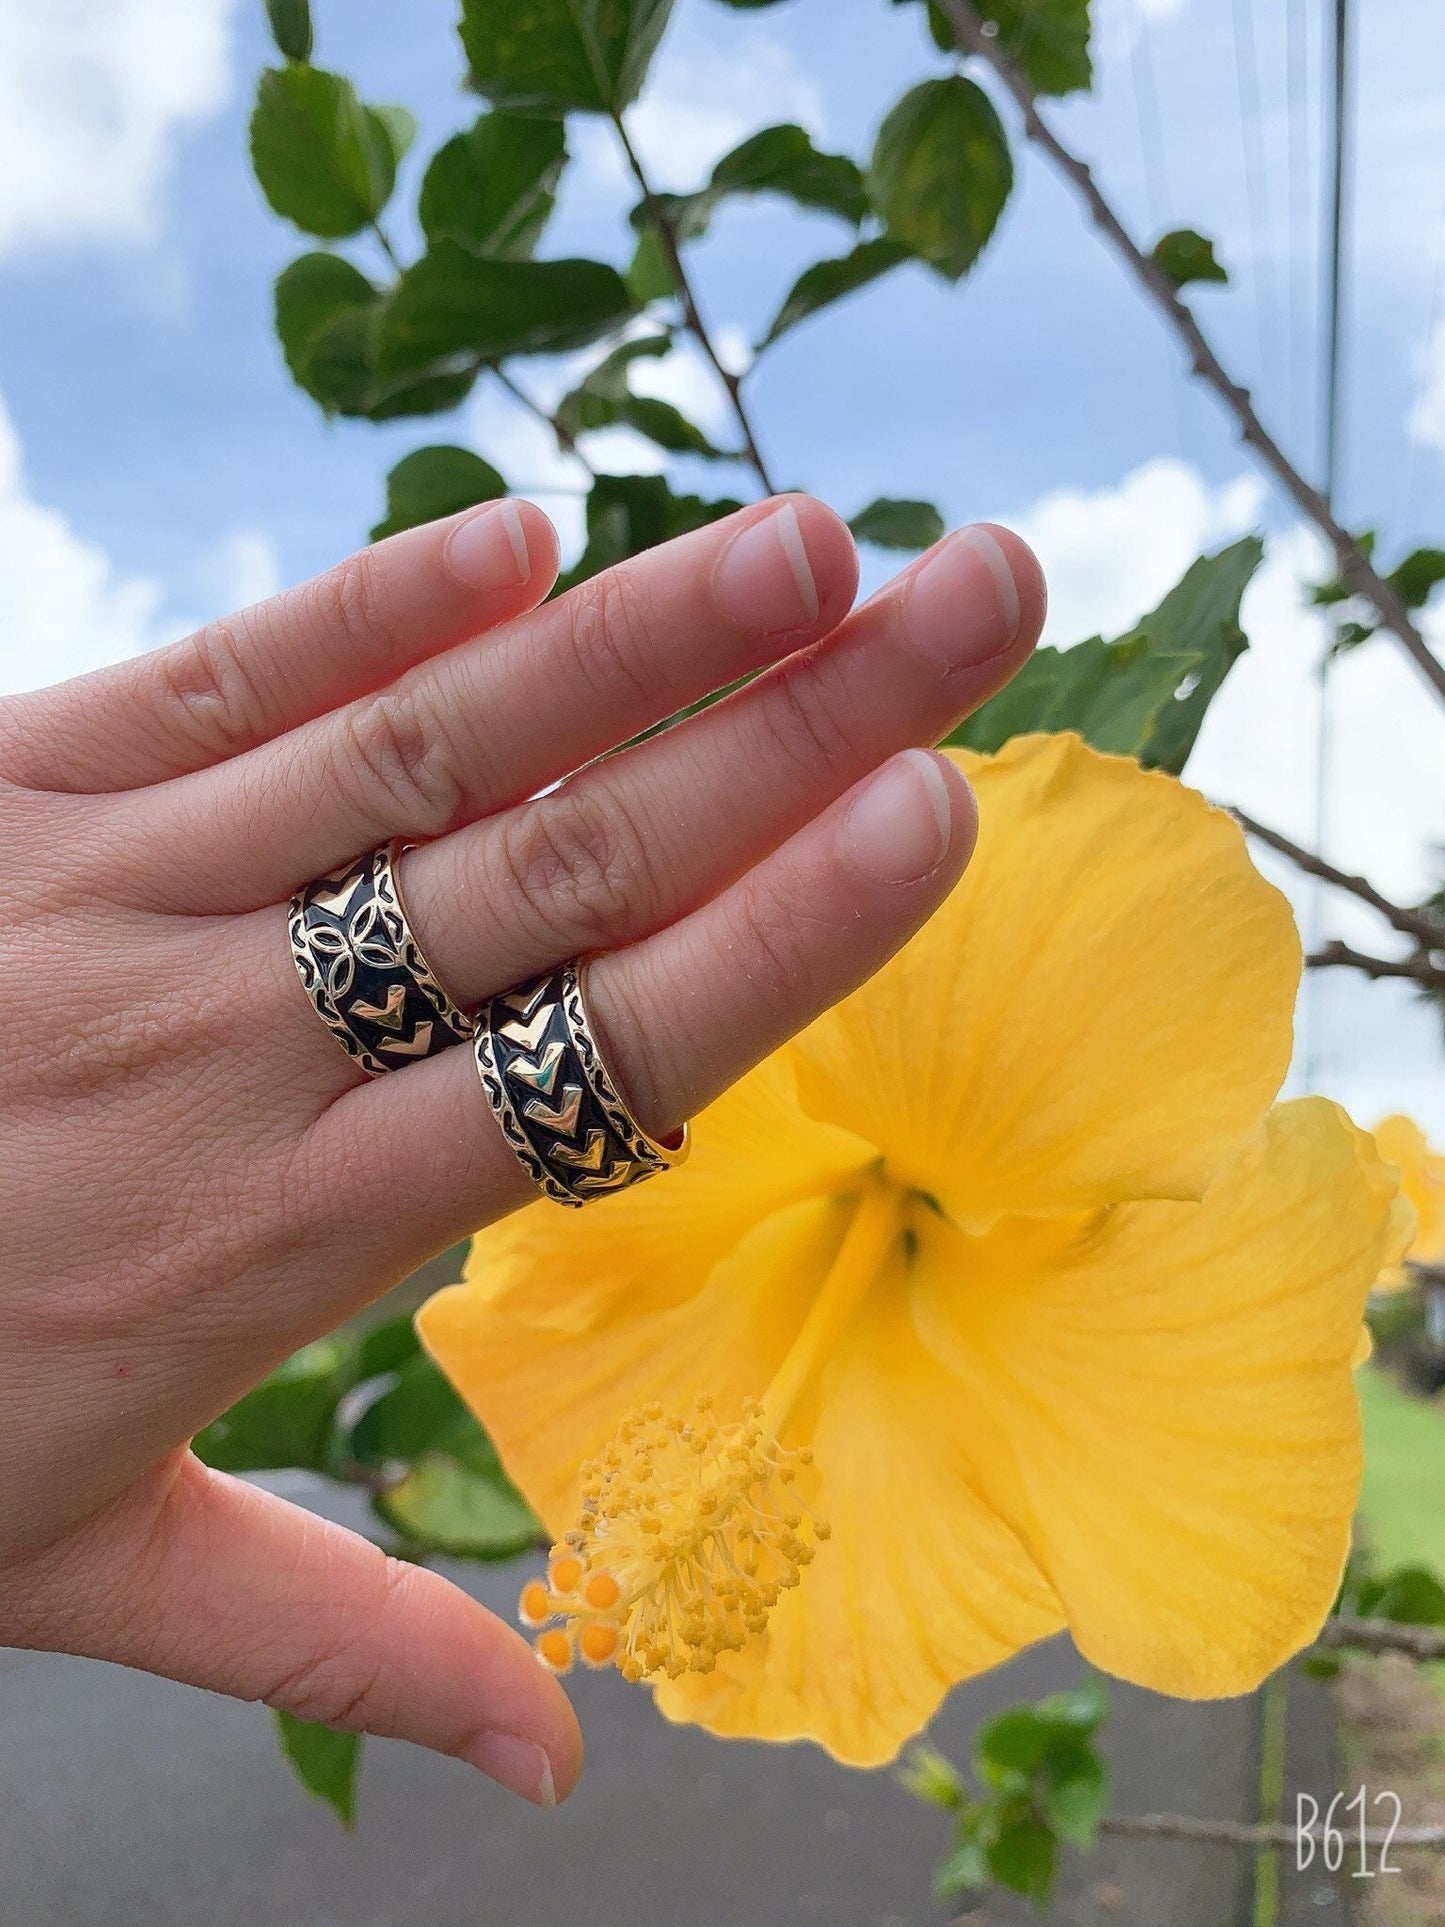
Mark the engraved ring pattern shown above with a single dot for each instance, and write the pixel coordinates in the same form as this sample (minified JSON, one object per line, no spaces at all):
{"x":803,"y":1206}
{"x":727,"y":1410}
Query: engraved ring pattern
{"x":363,"y":970}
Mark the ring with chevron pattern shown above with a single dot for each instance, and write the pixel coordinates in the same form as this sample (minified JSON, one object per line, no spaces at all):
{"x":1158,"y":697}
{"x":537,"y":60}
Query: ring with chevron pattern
{"x":553,"y":1096}
{"x":364,"y":971}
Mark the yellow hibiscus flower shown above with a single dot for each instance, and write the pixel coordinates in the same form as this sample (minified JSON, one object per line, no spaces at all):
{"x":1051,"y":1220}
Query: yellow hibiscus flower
{"x":1004,"y":1272}
{"x":1401,"y":1142}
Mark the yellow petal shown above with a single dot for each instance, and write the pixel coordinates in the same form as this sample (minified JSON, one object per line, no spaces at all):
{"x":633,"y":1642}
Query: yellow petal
{"x":1422,"y":1171}
{"x":920,"y":1584}
{"x":1179,"y":1435}
{"x":695,"y":1282}
{"x":1101,"y":1010}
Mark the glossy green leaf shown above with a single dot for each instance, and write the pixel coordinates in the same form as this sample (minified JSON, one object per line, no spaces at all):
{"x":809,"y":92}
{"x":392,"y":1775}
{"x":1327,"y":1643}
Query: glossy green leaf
{"x":1111,"y":693}
{"x":1417,"y":577}
{"x":286,"y":1421}
{"x":492,"y":189}
{"x":419,"y":1413}
{"x":828,"y":281}
{"x":290,"y":22}
{"x":385,"y":1347}
{"x":776,"y":160}
{"x":1049,"y":39}
{"x":432,"y":482}
{"x":323,"y":160}
{"x":1080,"y":1710}
{"x":325,"y":310}
{"x":325,"y":1762}
{"x":1185,"y":256}
{"x":453,"y":304}
{"x":1198,"y":617}
{"x":552,"y":57}
{"x":894,"y":523}
{"x":942,"y":172}
{"x":629,"y":513}
{"x":446,"y":1505}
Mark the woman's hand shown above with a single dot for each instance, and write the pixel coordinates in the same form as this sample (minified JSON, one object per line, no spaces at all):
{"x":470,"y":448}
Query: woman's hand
{"x":195,"y":1179}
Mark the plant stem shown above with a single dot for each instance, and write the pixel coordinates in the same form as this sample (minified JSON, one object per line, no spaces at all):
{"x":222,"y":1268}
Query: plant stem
{"x":1383,"y":1636}
{"x":1425,"y":928}
{"x":1357,"y":571}
{"x":1342,"y":956}
{"x":1273,"y":1742}
{"x":698,"y":327}
{"x":1241,"y":1833}
{"x":565,"y":440}
{"x":387,"y":249}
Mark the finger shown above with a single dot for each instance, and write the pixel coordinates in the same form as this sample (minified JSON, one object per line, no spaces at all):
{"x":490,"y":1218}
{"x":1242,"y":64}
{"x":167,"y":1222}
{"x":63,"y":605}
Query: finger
{"x":679,"y":1017}
{"x":633,"y":843}
{"x":223,"y":1586}
{"x":491,"y":723}
{"x":242,"y":681}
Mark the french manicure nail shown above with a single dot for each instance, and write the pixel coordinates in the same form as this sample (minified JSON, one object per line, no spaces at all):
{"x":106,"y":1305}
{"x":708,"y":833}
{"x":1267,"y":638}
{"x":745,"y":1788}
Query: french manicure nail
{"x":963,"y":601}
{"x":489,"y":549}
{"x":764,"y":580}
{"x":901,"y":822}
{"x":519,"y":1765}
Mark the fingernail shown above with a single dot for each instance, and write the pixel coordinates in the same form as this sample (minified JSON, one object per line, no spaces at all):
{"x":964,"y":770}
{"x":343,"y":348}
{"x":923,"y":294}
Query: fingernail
{"x":519,"y":1765}
{"x":963,"y":601}
{"x":764,"y":579}
{"x":489,"y":549}
{"x":901,"y":823}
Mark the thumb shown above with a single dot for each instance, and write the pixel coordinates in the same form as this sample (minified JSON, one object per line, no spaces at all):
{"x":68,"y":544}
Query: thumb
{"x":227,"y":1587}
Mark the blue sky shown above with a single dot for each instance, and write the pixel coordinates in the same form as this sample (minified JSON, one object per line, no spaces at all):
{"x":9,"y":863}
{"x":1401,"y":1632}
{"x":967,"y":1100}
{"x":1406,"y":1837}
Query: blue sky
{"x":159,"y":466}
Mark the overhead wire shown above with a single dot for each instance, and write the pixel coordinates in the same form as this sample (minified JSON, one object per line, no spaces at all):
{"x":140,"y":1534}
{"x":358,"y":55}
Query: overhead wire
{"x":1256,"y":183}
{"x":1299,"y":411}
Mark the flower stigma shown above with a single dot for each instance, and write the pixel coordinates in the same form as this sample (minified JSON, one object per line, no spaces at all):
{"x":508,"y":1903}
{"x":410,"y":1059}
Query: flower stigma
{"x":690,"y":1527}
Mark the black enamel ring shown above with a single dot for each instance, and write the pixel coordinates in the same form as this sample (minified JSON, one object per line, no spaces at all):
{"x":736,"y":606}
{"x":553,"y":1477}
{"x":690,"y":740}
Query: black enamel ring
{"x":364,"y":971}
{"x":554,"y":1098}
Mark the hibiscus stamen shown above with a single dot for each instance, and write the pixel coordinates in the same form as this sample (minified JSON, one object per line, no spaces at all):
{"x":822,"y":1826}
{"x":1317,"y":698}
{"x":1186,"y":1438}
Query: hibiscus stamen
{"x":689,"y":1531}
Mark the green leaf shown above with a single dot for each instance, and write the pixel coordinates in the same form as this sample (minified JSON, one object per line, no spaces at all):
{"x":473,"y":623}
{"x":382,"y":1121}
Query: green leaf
{"x":1013,"y":1743}
{"x":1025,"y":1858}
{"x":451,"y":1507}
{"x":1198,"y":617}
{"x":323,"y":160}
{"x":1079,"y":1710}
{"x":432,"y":482}
{"x":1075,"y":1799}
{"x":1185,"y":256}
{"x":629,"y":513}
{"x":290,"y":27}
{"x":941,"y":172}
{"x":828,"y":281}
{"x":387,"y":1346}
{"x":493,"y":188}
{"x":604,"y":400}
{"x":1411,"y":1594}
{"x":326,"y":1763}
{"x":963,"y":1869}
{"x":893,"y":523}
{"x":399,"y":125}
{"x":420,"y":1413}
{"x":325,"y":309}
{"x":650,"y":277}
{"x":929,"y":1776}
{"x":550,"y":57}
{"x":1111,"y":693}
{"x":1049,"y":39}
{"x":1417,"y":576}
{"x":453,"y":304}
{"x":776,"y":160}
{"x":286,"y":1421}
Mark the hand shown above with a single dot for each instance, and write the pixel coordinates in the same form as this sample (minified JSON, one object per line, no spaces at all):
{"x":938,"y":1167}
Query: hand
{"x":195,"y":1179}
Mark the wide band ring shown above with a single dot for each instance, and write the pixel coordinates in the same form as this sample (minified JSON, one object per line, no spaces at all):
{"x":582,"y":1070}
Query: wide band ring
{"x":554,"y":1098}
{"x":364,"y":971}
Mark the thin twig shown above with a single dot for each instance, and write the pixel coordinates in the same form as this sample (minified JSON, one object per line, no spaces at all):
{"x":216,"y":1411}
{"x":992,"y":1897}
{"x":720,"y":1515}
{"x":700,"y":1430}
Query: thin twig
{"x":387,"y":249}
{"x":1416,"y":968}
{"x":1244,"y":1833}
{"x":668,"y":236}
{"x":566,"y":440}
{"x":1357,"y":571}
{"x":1420,"y":924}
{"x":1383,"y":1636}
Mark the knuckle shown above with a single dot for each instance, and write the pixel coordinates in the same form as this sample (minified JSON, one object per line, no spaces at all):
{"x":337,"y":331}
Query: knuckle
{"x":803,"y":720}
{"x":207,"y":692}
{"x":581,"y":864}
{"x":771,"y":947}
{"x":401,"y":764}
{"x":348,"y":601}
{"x":612,"y":621}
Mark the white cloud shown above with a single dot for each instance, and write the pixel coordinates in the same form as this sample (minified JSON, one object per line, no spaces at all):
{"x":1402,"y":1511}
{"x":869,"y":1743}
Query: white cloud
{"x":1426,"y":420}
{"x":68,"y":608}
{"x":93,"y":94}
{"x":1109,"y":556}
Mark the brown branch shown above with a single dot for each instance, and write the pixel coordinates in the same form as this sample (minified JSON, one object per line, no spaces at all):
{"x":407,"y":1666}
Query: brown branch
{"x":1383,"y":1636}
{"x":1357,"y":571}
{"x":1342,"y":956}
{"x":667,"y":234}
{"x":1420,"y":924}
{"x":566,"y":441}
{"x":1244,"y":1833}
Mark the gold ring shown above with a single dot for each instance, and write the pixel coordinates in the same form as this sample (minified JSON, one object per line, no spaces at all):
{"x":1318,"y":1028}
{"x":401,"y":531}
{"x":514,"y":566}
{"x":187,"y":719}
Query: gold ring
{"x":554,"y":1097}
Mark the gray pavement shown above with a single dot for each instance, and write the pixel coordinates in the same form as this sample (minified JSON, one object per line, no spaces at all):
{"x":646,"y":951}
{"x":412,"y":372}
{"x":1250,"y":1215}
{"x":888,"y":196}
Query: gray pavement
{"x":133,"y":1802}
